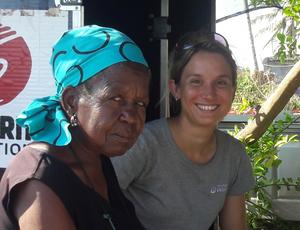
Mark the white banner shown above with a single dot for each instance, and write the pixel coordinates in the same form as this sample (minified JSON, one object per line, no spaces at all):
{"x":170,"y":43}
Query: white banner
{"x":26,"y":39}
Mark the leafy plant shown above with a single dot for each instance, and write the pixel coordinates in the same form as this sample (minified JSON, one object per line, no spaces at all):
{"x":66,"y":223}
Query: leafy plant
{"x":288,"y":31}
{"x":287,"y":47}
{"x":254,"y":89}
{"x":264,"y":157}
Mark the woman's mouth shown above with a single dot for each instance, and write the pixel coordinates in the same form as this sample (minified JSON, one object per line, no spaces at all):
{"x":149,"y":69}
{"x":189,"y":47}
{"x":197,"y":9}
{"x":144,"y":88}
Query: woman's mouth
{"x":123,"y":138}
{"x":207,"y":107}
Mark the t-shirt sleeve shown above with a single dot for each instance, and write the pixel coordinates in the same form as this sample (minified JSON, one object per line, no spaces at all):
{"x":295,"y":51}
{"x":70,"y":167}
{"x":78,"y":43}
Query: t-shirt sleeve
{"x":133,"y":164}
{"x":243,"y":179}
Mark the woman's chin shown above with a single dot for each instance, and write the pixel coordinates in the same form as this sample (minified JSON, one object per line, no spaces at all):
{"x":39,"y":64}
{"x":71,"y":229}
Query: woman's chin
{"x":116,"y":150}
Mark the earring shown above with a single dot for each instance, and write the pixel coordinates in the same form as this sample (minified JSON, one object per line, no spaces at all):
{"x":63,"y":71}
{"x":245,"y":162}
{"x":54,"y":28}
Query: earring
{"x":176,"y":99}
{"x":74,"y":120}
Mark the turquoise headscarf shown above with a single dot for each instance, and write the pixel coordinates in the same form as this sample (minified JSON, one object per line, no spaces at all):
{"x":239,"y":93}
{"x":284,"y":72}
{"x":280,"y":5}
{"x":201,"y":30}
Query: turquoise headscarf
{"x":77,"y":56}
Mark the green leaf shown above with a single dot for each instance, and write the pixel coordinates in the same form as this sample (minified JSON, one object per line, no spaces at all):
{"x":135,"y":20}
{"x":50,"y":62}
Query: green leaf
{"x":277,"y":162}
{"x":281,"y":37}
{"x":269,"y":163}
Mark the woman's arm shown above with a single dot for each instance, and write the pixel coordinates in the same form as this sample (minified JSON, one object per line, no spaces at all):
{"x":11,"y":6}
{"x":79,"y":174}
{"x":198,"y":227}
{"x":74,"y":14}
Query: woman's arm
{"x":233,"y":214}
{"x":36,"y":207}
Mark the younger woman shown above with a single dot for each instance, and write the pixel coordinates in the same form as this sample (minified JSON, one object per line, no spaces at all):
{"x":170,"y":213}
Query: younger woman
{"x":183,"y":172}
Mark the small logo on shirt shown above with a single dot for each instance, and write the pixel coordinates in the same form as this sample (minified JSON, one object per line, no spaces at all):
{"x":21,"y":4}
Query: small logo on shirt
{"x":218,"y":188}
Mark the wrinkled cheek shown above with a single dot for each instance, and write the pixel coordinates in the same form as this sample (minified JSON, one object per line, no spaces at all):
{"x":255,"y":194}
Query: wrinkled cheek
{"x":101,"y":140}
{"x":141,"y":124}
{"x":99,"y":134}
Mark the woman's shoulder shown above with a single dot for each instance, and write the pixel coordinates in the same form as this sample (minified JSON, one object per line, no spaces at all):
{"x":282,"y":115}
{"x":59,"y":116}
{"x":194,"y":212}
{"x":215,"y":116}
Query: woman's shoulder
{"x":154,"y":131}
{"x":155,"y":124}
{"x":27,"y":157}
{"x":229,"y":144}
{"x":151,"y":137}
{"x":25,"y":198}
{"x":24,"y":165}
{"x":225,"y":137}
{"x":153,"y":127}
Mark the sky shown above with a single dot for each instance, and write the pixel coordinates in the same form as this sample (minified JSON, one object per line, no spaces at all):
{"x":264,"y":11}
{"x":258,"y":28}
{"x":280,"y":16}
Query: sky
{"x":236,"y":32}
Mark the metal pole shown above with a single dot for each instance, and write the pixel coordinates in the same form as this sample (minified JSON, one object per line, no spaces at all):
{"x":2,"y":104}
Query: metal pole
{"x":164,"y":57}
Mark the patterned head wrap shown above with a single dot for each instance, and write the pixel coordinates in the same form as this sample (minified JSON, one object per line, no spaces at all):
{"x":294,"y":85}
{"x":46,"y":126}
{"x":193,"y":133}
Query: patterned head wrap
{"x":77,"y":56}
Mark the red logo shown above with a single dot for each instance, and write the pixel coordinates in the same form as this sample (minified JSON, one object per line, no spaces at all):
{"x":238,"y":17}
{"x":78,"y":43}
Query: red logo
{"x":15,"y":64}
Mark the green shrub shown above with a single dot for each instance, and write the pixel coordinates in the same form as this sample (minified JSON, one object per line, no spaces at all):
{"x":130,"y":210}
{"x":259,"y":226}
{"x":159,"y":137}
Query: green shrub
{"x":254,"y":89}
{"x":264,"y":157}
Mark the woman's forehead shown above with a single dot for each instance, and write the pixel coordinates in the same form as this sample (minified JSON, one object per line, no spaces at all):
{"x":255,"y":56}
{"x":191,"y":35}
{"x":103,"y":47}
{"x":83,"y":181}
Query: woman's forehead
{"x":208,"y":60}
{"x":120,"y":76}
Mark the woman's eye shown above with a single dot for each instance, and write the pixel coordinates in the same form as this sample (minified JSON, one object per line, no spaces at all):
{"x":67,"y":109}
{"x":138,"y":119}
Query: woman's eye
{"x":196,"y":81}
{"x":223,"y":83}
{"x":117,"y":98}
{"x":141,"y":104}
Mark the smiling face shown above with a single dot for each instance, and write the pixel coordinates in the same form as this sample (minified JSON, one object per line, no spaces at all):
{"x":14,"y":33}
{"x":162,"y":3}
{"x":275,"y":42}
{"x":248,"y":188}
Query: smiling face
{"x":112,"y":115}
{"x":206,"y":88}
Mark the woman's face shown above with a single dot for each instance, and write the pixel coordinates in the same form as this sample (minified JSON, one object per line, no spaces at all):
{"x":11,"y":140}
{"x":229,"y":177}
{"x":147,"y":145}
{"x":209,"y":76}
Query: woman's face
{"x":114,"y":117}
{"x":205,"y":90}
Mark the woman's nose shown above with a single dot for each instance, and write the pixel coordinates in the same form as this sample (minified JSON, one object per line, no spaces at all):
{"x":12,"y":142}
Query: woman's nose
{"x":129,"y":113}
{"x":208,"y":91}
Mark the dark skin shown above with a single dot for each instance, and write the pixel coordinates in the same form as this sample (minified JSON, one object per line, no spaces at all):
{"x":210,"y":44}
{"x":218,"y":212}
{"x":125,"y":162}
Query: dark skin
{"x":110,"y":120}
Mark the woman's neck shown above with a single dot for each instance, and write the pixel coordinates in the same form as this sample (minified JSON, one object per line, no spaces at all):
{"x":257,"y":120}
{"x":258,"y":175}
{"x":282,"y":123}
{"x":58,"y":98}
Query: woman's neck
{"x":88,"y":167}
{"x":198,"y":143}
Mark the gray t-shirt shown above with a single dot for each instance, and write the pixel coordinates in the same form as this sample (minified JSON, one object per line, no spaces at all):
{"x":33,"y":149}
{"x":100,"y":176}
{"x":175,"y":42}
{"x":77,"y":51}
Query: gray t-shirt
{"x":169,"y":191}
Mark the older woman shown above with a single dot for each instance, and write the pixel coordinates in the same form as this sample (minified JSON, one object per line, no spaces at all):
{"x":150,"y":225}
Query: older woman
{"x":65,"y":180}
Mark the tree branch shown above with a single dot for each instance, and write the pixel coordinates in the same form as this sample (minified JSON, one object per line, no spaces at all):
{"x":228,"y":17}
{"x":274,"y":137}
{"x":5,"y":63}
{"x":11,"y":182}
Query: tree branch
{"x":246,"y":11}
{"x":279,"y":184}
{"x":260,"y":207}
{"x":272,"y":106}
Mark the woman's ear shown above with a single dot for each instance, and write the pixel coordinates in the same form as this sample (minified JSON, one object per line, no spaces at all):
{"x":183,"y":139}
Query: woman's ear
{"x":174,"y":89}
{"x":69,"y":100}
